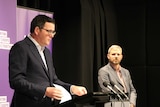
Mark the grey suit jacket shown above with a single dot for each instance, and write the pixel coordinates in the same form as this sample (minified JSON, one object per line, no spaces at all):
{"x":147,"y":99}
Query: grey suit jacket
{"x":29,"y":77}
{"x":108,"y":74}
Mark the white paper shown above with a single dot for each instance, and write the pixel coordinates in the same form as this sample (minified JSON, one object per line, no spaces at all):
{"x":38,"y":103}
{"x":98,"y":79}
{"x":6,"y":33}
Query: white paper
{"x":66,"y":95}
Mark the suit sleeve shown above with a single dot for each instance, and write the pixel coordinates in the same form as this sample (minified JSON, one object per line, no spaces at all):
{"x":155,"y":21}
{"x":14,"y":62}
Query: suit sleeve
{"x":103,"y":77}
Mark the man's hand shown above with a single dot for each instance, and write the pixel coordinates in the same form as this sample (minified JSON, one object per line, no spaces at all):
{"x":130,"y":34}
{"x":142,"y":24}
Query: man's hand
{"x":78,"y":90}
{"x":54,"y":93}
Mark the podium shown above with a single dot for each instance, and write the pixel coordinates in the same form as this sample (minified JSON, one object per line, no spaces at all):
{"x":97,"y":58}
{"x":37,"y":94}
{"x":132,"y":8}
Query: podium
{"x":88,"y":100}
{"x":94,"y":99}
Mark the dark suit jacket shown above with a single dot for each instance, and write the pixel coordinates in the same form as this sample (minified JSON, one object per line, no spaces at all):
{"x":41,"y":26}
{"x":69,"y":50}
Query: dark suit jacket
{"x":29,"y":77}
{"x":108,"y":74}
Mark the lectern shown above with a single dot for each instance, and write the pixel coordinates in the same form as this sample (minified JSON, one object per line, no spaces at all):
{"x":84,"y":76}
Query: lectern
{"x":88,"y":100}
{"x":94,"y":99}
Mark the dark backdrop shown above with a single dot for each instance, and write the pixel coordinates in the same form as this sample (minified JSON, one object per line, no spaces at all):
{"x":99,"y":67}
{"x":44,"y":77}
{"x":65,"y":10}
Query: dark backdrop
{"x":86,"y":28}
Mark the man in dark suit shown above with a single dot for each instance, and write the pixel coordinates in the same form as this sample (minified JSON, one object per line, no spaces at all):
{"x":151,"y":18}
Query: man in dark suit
{"x":113,"y":74}
{"x":31,"y":71}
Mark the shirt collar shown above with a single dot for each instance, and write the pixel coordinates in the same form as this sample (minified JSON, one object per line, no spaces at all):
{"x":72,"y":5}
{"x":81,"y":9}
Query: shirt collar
{"x":40,"y":48}
{"x":119,"y":70}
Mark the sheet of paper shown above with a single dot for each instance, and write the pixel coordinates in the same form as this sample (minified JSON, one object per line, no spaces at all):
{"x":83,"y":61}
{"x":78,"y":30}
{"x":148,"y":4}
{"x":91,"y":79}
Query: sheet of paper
{"x":66,"y":95}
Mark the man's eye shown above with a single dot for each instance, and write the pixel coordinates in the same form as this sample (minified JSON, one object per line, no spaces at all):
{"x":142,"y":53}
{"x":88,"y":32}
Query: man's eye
{"x":115,"y":54}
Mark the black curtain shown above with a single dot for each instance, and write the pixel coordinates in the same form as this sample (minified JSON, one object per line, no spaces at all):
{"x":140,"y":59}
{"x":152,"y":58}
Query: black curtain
{"x":83,"y":33}
{"x":93,"y":40}
{"x":46,"y":5}
{"x":96,"y":35}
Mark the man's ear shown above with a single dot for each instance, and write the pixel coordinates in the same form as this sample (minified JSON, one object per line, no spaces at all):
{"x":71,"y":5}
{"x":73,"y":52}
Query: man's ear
{"x":36,"y":30}
{"x":107,"y":56}
{"x":122,"y":55}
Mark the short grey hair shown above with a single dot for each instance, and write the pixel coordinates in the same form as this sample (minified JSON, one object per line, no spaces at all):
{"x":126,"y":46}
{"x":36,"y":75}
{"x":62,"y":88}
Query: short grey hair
{"x":114,"y":46}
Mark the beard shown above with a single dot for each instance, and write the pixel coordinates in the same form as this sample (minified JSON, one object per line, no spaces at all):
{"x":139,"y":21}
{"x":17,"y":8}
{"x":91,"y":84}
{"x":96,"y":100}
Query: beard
{"x":115,"y":61}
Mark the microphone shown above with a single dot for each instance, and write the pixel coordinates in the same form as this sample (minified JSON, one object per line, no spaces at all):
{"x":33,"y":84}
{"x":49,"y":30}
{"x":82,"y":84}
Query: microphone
{"x":106,"y":84}
{"x":119,"y":90}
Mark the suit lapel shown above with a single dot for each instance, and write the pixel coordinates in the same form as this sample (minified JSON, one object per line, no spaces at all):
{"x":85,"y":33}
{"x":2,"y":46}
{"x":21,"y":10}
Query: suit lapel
{"x":35,"y":52}
{"x":125,"y":80}
{"x":114,"y":74}
{"x":48,"y":58}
